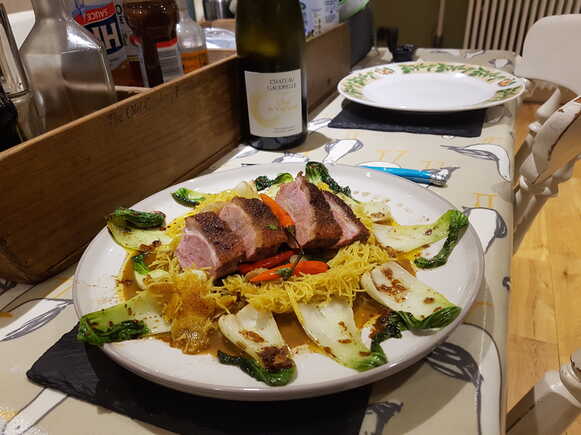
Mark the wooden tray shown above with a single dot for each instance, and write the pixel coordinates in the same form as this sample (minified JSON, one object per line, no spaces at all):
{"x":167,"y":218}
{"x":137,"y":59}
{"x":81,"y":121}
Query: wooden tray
{"x":57,"y":188}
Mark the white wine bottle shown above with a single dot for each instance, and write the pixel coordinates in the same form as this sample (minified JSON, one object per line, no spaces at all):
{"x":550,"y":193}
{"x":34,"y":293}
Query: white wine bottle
{"x":271,"y":44}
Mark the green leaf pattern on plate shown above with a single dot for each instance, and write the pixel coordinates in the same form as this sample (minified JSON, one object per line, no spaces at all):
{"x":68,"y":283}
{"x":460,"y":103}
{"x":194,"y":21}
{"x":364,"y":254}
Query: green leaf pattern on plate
{"x":505,"y":93}
{"x":439,"y":67}
{"x":354,"y":85}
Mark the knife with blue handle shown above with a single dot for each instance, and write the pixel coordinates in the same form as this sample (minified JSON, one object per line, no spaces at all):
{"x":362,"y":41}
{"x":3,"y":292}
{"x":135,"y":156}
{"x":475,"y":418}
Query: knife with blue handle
{"x":438,"y":177}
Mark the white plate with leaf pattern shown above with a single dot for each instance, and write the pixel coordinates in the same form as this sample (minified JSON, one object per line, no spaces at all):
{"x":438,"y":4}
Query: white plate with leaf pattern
{"x":431,"y":86}
{"x":459,"y":280}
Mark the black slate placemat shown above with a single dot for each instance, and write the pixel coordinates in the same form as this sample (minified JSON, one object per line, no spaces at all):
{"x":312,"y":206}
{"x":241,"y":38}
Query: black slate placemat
{"x":359,"y":116}
{"x":85,"y":372}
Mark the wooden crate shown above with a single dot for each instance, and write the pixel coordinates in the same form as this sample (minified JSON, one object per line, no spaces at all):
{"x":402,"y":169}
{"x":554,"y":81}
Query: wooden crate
{"x":57,"y":188}
{"x":328,"y":60}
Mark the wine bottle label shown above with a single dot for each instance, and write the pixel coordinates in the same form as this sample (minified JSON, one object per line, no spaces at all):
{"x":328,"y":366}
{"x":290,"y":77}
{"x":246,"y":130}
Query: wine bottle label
{"x":274,"y":103}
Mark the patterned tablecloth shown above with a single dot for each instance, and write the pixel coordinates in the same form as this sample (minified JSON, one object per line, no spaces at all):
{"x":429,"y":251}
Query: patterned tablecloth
{"x":457,"y":389}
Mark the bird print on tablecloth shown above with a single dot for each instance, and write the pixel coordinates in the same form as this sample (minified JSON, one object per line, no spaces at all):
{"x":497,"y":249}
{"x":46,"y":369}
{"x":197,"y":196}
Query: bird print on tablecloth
{"x":471,"y":355}
{"x":377,"y":415}
{"x":317,"y":124}
{"x":472,"y":54}
{"x":456,"y":52}
{"x":488,"y":223}
{"x":500,"y":62}
{"x":487,"y":151}
{"x":338,"y":149}
{"x":30,"y":316}
{"x":335,"y":150}
{"x":245,"y":151}
{"x":454,"y":361}
{"x":291,"y":158}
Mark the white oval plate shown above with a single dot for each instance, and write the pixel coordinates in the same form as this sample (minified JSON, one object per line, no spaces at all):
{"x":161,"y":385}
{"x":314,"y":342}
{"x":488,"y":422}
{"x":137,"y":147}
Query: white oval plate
{"x":459,"y":280}
{"x":430,"y":86}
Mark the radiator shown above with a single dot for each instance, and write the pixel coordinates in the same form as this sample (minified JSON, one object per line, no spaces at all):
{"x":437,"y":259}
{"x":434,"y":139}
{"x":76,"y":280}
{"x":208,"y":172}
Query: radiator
{"x":503,"y":24}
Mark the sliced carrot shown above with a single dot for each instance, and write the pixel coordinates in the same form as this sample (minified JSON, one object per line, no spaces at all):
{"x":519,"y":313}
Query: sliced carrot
{"x":283,"y":217}
{"x":303,"y":267}
{"x":271,"y":274}
{"x":311,"y":267}
{"x":267,"y":263}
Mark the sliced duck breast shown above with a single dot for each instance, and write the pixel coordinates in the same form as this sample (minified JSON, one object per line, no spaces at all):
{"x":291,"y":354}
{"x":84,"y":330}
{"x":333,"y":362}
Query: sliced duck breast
{"x":316,"y":227}
{"x":256,"y":225}
{"x":208,"y":242}
{"x":352,"y":228}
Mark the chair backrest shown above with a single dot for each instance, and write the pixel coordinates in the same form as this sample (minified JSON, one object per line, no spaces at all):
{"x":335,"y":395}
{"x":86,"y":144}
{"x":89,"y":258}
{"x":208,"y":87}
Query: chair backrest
{"x":554,"y":150}
{"x":551,"y":52}
{"x":557,"y":143}
{"x":554,"y":141}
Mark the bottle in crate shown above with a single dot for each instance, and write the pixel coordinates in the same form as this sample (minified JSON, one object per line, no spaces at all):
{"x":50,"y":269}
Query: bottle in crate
{"x":324,"y":14}
{"x":100,"y":18}
{"x":308,"y":20}
{"x":14,"y":82}
{"x":132,"y":47}
{"x":191,"y":40}
{"x":153,"y":23}
{"x":68,"y":68}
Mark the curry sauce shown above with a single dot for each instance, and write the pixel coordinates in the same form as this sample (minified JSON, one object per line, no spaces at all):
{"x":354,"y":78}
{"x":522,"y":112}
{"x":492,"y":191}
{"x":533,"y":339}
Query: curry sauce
{"x":365,"y":311}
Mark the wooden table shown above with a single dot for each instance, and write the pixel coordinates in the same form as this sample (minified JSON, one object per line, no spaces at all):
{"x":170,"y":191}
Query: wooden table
{"x":459,"y":389}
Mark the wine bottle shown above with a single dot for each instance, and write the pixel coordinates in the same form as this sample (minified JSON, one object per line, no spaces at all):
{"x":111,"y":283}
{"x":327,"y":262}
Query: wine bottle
{"x":271,"y":44}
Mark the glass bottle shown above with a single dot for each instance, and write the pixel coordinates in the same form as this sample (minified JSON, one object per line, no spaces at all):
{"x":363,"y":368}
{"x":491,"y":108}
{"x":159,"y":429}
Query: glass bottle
{"x":100,"y":18}
{"x":191,"y":40}
{"x":153,"y":23}
{"x":68,"y":68}
{"x":131,"y":45}
{"x":14,"y":81}
{"x":270,"y":38}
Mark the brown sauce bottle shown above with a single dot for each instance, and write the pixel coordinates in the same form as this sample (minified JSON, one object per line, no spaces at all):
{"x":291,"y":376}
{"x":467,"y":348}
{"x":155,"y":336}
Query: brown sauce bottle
{"x":153,"y":23}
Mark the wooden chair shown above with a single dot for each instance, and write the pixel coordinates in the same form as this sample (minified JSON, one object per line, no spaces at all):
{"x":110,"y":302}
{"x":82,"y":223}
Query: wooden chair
{"x":545,"y":160}
{"x":553,"y":144}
